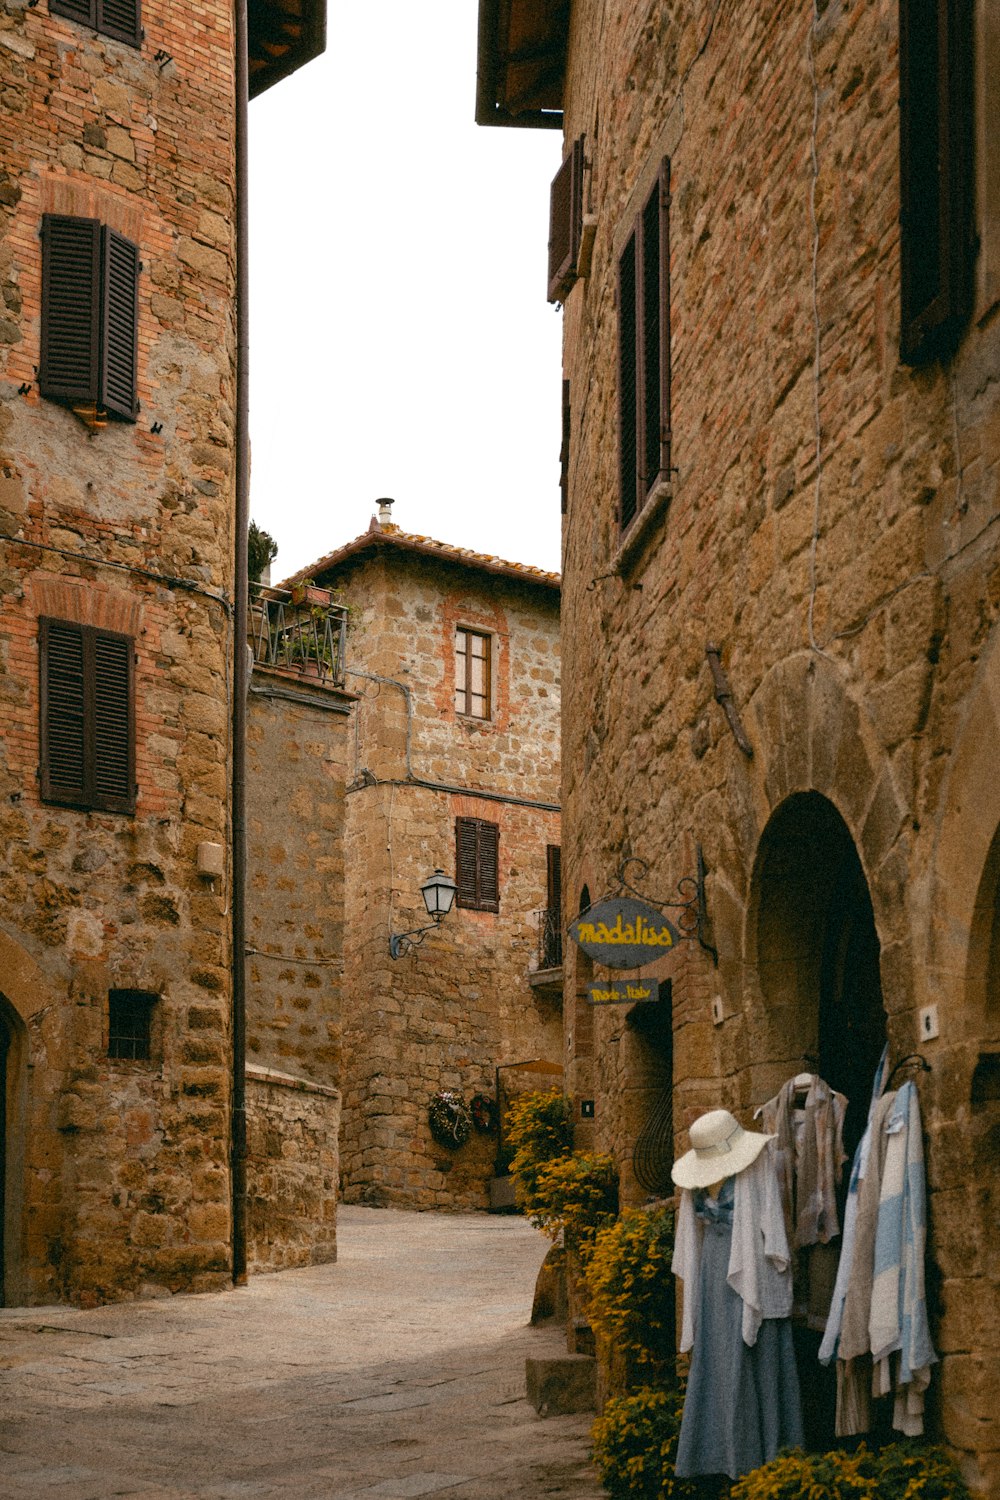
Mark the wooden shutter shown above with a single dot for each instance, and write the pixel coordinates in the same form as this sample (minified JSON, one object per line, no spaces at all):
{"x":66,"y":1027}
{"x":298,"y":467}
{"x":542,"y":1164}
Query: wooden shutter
{"x":553,"y":864}
{"x":82,"y":11}
{"x":489,"y":866}
{"x":113,"y":723}
{"x":120,"y":310}
{"x":565,"y":223}
{"x":644,"y":351}
{"x":62,"y":735}
{"x":477,"y":864}
{"x":937,"y":230}
{"x":71,"y":305}
{"x":87,"y":729}
{"x":564,"y":449}
{"x":628,"y":384}
{"x":120,"y":19}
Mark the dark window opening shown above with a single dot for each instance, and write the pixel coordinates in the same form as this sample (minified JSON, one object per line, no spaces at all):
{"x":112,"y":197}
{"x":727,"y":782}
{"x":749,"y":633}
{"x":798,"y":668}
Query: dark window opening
{"x":87,"y":717}
{"x":90,"y":317}
{"x":936,"y":211}
{"x":477,"y":864}
{"x":115,"y":18}
{"x":130,"y":1023}
{"x":564,"y":449}
{"x":644,"y":445}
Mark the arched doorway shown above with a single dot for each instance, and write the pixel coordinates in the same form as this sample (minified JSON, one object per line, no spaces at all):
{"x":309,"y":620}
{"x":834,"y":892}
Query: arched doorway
{"x":817,"y":958}
{"x":817,"y":952}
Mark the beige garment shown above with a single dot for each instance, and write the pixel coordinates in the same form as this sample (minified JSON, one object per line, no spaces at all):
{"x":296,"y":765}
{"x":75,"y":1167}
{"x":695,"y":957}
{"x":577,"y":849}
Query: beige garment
{"x":854,"y":1366}
{"x":809,"y":1153}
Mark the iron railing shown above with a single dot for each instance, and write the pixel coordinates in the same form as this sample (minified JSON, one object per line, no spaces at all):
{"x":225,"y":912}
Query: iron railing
{"x":550,"y":940}
{"x":303,"y":632}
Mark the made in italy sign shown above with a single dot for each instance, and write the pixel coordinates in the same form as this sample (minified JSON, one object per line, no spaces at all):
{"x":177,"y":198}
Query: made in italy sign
{"x":623,"y":933}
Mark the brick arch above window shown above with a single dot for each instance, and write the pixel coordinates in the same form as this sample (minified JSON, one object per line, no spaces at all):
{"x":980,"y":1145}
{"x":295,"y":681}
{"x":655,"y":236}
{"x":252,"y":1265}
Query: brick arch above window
{"x":87,"y":604}
{"x":81,"y":198}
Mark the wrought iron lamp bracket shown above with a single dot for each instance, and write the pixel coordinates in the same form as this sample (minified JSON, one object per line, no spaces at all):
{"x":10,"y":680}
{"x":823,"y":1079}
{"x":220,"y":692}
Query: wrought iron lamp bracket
{"x":402,"y":943}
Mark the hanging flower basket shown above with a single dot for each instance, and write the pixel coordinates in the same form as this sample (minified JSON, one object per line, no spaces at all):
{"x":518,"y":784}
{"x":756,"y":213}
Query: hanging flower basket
{"x":450,"y":1120}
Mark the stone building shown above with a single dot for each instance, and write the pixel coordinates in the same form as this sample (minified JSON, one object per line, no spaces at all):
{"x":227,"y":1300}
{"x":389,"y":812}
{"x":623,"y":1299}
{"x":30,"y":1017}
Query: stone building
{"x":121,"y":148}
{"x":451,"y":763}
{"x":776,"y":241}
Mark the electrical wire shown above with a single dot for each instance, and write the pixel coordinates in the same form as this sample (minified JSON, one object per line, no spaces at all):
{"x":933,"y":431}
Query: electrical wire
{"x":187,"y":584}
{"x":286,"y":958}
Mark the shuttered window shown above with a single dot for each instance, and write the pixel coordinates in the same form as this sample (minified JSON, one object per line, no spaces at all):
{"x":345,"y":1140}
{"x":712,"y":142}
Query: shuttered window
{"x":644,"y":436}
{"x":565,"y":223}
{"x":477,"y":864}
{"x":937,"y":228}
{"x":90,"y":315}
{"x":472,"y":673}
{"x":87,"y":717}
{"x":116,"y":18}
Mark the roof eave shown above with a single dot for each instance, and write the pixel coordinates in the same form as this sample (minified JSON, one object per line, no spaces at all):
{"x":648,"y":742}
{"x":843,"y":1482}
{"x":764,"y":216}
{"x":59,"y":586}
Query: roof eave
{"x":492,"y":69}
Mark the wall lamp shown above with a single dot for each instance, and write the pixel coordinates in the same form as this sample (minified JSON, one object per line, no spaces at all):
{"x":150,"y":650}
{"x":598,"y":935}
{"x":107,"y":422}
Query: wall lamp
{"x":438,"y":891}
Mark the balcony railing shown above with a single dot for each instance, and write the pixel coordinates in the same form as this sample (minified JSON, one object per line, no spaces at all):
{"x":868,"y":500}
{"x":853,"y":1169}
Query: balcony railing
{"x":550,"y":940}
{"x":302,"y":632}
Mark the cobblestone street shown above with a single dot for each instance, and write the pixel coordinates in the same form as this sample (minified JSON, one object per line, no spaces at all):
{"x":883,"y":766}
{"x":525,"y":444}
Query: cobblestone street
{"x":397,"y":1372}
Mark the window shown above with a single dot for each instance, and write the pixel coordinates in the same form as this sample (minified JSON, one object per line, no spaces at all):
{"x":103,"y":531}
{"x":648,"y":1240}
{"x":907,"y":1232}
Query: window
{"x":90,"y":316}
{"x":477,"y":864}
{"x":116,"y":18}
{"x":566,"y":223}
{"x":937,"y":230}
{"x":130,"y":1015}
{"x":87,"y":714}
{"x":472,"y":673}
{"x":644,"y":351}
{"x":552,"y":954}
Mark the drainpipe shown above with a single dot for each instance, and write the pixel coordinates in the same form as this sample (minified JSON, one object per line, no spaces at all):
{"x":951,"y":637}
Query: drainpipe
{"x":241,"y":670}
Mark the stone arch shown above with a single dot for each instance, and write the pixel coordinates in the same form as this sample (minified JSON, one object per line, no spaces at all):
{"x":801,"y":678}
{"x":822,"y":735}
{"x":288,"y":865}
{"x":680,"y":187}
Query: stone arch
{"x":812,"y":939}
{"x":963,"y":959}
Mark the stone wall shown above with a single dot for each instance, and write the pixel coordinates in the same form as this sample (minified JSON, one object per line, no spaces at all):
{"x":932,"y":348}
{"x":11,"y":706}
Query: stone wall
{"x":292,"y":1165}
{"x":830,"y":528}
{"x":117,"y":1171}
{"x":447,"y":1014}
{"x":298,"y":737}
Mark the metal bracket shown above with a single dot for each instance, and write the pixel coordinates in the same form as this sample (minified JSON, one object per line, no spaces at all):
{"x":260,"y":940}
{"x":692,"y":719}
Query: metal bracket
{"x":693,"y":908}
{"x":724,"y":697}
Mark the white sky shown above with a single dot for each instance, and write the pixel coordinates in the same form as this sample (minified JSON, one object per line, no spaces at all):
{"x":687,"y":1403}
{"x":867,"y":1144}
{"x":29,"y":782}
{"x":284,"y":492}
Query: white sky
{"x":401,"y":343}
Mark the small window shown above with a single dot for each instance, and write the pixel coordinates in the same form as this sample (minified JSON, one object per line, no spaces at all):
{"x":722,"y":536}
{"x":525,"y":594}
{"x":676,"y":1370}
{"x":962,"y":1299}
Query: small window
{"x":644,"y":351}
{"x":937,"y":228}
{"x":90,"y":316}
{"x":87,"y":717}
{"x":566,"y":223}
{"x":564,"y":449}
{"x":116,"y":18}
{"x":477,"y":864}
{"x":130,"y":1018}
{"x":472,"y":673}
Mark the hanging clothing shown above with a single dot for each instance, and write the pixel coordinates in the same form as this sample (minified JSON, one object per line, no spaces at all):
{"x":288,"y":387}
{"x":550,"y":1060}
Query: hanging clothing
{"x":898,"y":1324}
{"x":828,"y":1348}
{"x":882,"y":1338}
{"x":854,"y":1365}
{"x":742,"y":1403}
{"x":809,"y":1153}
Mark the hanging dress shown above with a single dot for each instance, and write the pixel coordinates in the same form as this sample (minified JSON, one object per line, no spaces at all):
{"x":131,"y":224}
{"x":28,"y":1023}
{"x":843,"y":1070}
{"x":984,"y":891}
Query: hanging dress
{"x":742,"y":1403}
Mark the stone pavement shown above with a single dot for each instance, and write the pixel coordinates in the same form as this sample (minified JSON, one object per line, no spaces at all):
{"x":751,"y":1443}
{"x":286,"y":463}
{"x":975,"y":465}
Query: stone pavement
{"x":396,"y":1373}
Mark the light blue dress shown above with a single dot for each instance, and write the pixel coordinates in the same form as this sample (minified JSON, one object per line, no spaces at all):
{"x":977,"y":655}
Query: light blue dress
{"x":742,"y":1402}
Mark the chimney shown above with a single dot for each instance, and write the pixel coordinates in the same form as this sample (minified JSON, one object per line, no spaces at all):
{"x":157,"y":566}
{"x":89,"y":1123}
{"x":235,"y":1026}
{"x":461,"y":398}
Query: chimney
{"x":384,"y":511}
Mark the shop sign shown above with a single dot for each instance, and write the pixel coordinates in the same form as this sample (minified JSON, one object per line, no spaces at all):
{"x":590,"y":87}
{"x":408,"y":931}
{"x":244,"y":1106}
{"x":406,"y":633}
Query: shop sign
{"x":624,"y":992}
{"x":624,"y":934}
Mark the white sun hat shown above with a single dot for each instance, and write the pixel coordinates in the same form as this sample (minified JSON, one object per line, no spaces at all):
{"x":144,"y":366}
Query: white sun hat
{"x":720,"y":1148}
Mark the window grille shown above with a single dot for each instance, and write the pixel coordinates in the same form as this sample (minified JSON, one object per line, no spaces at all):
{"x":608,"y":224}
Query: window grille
{"x":130,"y":1018}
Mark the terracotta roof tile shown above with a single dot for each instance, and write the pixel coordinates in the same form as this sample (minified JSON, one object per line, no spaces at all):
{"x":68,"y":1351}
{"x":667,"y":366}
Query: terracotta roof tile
{"x":384,"y":534}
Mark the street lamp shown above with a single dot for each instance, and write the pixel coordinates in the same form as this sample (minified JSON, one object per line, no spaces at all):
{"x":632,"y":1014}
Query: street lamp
{"x":438,"y":891}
